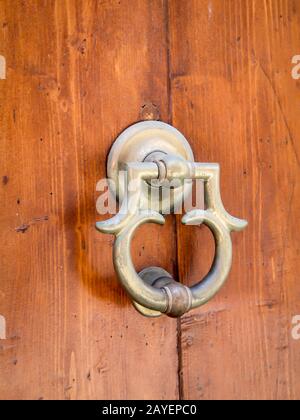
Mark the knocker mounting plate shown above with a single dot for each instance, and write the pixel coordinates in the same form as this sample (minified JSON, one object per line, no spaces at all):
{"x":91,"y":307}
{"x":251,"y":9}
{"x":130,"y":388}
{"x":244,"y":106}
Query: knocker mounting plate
{"x":139,"y":143}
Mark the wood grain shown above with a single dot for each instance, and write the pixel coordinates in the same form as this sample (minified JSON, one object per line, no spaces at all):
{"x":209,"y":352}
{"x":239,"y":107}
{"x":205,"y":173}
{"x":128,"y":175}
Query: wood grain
{"x":78,"y":73}
{"x":234,"y":98}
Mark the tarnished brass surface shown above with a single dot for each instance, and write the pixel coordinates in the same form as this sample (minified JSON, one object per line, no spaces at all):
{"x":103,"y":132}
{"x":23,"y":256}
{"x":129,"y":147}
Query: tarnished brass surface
{"x":154,"y":291}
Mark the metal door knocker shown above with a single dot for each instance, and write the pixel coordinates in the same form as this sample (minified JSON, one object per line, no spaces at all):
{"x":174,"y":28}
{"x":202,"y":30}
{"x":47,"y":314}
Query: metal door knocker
{"x":154,"y":155}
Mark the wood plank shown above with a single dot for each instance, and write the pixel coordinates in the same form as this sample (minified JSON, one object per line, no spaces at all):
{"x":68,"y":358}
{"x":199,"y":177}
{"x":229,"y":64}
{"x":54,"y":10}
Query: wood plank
{"x":78,"y":73}
{"x":234,"y":98}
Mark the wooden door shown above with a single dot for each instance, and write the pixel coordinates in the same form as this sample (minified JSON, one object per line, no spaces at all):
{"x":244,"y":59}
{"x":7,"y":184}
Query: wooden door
{"x":74,"y":74}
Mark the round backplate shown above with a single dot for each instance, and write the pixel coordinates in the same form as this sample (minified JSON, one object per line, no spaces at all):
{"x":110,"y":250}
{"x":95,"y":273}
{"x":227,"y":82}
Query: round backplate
{"x":150,"y":276}
{"x":134,"y":145}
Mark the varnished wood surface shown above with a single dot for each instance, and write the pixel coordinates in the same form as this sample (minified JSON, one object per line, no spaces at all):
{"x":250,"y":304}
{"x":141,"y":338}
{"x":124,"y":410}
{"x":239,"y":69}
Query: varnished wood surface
{"x":234,"y":98}
{"x":78,"y":73}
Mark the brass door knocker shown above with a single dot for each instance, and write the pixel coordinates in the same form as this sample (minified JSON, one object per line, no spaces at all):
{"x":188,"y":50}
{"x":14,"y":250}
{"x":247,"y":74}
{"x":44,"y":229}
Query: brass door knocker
{"x":152,"y":155}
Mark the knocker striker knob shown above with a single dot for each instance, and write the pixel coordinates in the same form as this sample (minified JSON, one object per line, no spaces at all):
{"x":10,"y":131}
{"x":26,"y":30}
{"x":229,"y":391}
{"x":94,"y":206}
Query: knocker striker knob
{"x":155,"y":155}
